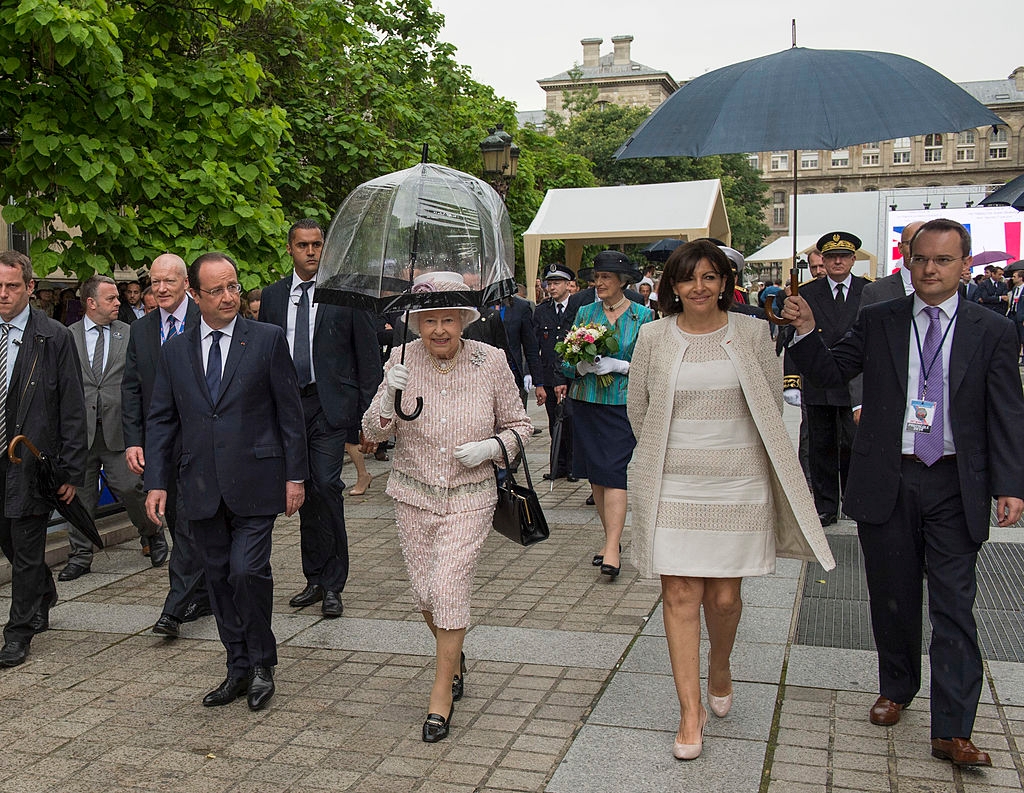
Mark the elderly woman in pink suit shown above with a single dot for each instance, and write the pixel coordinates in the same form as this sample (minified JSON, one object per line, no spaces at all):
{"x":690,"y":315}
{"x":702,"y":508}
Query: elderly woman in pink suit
{"x":442,"y":480}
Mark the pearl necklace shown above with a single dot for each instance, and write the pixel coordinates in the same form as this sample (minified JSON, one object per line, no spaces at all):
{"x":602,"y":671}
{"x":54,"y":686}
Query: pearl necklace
{"x":451,"y":362}
{"x":617,"y":306}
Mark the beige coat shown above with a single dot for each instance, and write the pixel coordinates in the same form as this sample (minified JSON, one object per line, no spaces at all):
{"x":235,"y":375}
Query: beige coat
{"x":652,"y":379}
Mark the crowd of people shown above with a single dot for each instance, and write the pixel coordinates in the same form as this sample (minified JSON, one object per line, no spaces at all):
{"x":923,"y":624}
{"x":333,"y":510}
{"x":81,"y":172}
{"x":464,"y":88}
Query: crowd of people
{"x":212,"y":411}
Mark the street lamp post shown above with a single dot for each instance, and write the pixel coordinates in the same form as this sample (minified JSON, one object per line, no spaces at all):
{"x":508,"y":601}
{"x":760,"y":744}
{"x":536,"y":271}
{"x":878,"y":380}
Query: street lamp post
{"x":501,"y":159}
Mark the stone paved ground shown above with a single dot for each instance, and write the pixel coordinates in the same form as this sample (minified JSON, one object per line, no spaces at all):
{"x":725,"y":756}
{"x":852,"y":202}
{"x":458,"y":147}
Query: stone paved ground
{"x":568,"y":687}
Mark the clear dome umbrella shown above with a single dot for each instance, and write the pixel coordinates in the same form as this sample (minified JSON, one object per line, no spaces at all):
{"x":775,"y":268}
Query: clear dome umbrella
{"x":424,"y":219}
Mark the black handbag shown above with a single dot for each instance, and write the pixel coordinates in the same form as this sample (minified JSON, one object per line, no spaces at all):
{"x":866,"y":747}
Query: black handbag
{"x":518,"y":515}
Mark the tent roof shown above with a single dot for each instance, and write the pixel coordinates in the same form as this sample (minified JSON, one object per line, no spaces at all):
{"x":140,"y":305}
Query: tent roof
{"x":633,"y":213}
{"x":781,"y":250}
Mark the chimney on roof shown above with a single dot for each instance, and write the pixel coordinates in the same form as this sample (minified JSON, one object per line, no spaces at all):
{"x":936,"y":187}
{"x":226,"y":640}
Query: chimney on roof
{"x":591,"y":52}
{"x":1017,"y":75}
{"x":622,"y":43}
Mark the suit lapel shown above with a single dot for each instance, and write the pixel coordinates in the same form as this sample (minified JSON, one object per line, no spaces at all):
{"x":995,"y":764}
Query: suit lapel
{"x":897,"y":333}
{"x":236,"y":350}
{"x":195,"y":356}
{"x":966,"y":338}
{"x":78,"y":331}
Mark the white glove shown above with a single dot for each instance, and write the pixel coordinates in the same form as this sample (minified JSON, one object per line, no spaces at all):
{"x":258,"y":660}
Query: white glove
{"x":792,"y":396}
{"x":607,"y":365}
{"x":397,"y":379}
{"x":476,"y":453}
{"x":527,"y":383}
{"x":585,"y":367}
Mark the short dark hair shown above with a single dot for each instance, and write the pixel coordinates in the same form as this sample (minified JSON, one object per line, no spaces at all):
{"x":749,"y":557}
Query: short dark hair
{"x":91,"y":287}
{"x":212,"y":256}
{"x":942,"y":225}
{"x":19,"y":260}
{"x":254,"y":294}
{"x":680,"y":266}
{"x":305,"y":223}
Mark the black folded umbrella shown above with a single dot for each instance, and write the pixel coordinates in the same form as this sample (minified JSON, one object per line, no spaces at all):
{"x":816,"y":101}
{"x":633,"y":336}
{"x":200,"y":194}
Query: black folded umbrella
{"x":46,"y":479}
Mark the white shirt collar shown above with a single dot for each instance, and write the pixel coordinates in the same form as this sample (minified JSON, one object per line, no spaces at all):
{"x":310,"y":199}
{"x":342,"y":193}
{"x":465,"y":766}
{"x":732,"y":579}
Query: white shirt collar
{"x":297,"y":282}
{"x":20,"y":322}
{"x":205,"y":330}
{"x":178,"y":313}
{"x":948,"y":306}
{"x":846,"y":284}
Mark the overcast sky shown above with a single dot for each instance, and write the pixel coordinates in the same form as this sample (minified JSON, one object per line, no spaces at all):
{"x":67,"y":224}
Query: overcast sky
{"x":511,"y":45}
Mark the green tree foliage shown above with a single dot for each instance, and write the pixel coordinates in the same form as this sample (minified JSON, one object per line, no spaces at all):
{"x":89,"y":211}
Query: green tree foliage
{"x":140,"y":125}
{"x":596,"y":133}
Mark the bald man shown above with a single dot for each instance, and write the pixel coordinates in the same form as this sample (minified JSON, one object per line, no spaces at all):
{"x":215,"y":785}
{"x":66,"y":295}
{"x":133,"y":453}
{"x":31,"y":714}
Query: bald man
{"x":187,"y":598}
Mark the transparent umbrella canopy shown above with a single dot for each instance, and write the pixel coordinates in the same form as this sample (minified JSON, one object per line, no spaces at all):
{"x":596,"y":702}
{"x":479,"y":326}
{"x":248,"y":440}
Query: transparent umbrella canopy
{"x":424,"y":219}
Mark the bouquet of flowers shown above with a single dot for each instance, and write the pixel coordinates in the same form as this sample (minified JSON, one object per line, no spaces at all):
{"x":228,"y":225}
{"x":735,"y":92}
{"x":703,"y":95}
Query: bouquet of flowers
{"x":588,"y":343}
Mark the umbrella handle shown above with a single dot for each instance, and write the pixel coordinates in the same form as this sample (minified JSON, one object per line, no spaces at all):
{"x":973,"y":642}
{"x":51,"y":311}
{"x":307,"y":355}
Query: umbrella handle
{"x":401,"y":413}
{"x":14,"y":458}
{"x":794,"y":289}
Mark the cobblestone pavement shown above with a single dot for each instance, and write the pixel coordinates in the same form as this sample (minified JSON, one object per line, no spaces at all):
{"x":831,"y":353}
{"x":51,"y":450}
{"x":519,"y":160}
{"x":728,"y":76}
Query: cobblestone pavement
{"x":568,"y":686}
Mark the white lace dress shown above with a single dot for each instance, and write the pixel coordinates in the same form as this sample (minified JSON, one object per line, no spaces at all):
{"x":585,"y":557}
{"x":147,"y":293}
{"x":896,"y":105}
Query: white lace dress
{"x":715,"y":516}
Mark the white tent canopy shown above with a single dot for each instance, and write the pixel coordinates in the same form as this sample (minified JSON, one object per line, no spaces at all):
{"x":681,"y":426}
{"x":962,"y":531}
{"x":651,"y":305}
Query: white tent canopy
{"x":625,"y":214}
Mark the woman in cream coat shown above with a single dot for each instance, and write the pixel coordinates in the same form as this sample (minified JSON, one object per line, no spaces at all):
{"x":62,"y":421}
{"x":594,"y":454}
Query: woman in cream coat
{"x":726,"y":492}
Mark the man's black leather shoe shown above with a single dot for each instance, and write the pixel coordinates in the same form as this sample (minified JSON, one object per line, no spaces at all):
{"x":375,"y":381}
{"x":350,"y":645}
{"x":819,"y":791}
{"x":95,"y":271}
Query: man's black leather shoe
{"x":571,"y":478}
{"x":313,"y":593}
{"x":72,"y":571}
{"x":41,"y":621}
{"x":168,"y":626}
{"x":158,"y":550}
{"x":13,"y":653}
{"x":195,"y":610}
{"x":332,"y":606}
{"x":227,"y":692}
{"x":261,"y":687}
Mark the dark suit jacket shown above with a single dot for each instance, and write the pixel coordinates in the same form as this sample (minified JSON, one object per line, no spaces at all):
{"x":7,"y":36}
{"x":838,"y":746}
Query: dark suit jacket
{"x":244,"y":447}
{"x":346,"y":358}
{"x":105,"y":392}
{"x":832,"y":325}
{"x":970,"y":291}
{"x":548,"y":330}
{"x":984,"y":400}
{"x":45,"y":403}
{"x":140,"y":370}
{"x":522,"y":353}
{"x":888,"y":288}
{"x":126,"y":313}
{"x":989,"y":293}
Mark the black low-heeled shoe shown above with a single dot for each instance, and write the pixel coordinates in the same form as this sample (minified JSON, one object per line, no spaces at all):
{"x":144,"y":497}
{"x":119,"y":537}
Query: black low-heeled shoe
{"x":607,"y":569}
{"x":599,"y":558}
{"x":435,"y":728}
{"x":458,"y":682}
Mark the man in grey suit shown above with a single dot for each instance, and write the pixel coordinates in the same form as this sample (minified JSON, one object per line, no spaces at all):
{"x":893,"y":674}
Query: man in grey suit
{"x":102,"y":343}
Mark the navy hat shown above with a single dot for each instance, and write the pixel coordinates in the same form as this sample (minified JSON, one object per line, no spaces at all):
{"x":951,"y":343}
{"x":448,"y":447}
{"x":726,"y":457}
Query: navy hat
{"x":618,"y":263}
{"x":557,"y":270}
{"x":838,"y":241}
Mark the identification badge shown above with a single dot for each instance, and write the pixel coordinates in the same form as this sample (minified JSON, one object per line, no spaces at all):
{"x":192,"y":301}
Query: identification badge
{"x":920,"y":415}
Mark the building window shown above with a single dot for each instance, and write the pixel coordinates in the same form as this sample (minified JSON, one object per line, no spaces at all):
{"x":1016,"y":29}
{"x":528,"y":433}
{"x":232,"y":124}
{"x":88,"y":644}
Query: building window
{"x":999,"y":144}
{"x":755,"y":161}
{"x":870,"y":154}
{"x":933,"y":148}
{"x":779,"y":197}
{"x":839,"y":190}
{"x":965,"y":146}
{"x":841,"y":158}
{"x":778,"y":216}
{"x":901,"y":151}
{"x":809,"y":159}
{"x":780,"y":161}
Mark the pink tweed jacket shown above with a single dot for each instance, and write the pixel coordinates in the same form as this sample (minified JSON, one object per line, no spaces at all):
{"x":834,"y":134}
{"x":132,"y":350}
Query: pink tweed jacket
{"x":477,"y":400}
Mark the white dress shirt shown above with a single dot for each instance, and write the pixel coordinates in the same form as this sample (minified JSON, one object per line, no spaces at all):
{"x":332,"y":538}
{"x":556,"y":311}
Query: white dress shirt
{"x":90,"y":341}
{"x":14,"y":337}
{"x":293,"y":308}
{"x":947,"y":315}
{"x":206,"y":342}
{"x":179,"y":315}
{"x":846,"y":286}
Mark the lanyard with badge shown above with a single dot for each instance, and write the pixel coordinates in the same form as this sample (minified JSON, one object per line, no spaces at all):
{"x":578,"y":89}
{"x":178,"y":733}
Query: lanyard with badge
{"x":921,"y":412}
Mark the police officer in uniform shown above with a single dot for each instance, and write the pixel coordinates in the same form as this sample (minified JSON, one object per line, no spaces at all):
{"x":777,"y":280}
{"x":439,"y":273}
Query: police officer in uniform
{"x":551,"y":321}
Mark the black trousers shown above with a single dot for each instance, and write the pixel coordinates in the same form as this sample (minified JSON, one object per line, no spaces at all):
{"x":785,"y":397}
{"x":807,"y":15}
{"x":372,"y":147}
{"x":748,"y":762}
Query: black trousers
{"x":185,"y":572}
{"x":23,"y":540}
{"x":829,"y":438}
{"x":927,"y":527}
{"x":236,"y":557}
{"x":323,"y":540}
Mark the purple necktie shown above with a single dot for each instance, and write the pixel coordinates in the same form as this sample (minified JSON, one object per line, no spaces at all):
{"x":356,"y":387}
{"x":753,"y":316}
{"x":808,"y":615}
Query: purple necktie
{"x":928,"y":445}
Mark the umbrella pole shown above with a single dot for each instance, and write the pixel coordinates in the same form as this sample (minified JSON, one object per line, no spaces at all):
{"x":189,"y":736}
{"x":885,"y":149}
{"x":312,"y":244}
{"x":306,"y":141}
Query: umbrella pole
{"x":794,"y":278}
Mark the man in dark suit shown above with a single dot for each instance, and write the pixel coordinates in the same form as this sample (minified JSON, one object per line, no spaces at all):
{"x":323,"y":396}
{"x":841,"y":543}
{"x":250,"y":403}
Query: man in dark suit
{"x":102,"y":345}
{"x":834,"y":300}
{"x":931,"y":451}
{"x":968,"y":289}
{"x":226,"y":395}
{"x":551,"y":321}
{"x":523,"y":357}
{"x":187,"y":599}
{"x":335,"y":352}
{"x":992,"y":290}
{"x":40,"y":398}
{"x":131,"y":307}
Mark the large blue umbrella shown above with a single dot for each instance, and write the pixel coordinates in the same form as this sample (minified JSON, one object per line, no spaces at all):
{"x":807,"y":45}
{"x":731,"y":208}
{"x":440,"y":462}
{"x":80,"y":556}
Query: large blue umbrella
{"x":805,"y":99}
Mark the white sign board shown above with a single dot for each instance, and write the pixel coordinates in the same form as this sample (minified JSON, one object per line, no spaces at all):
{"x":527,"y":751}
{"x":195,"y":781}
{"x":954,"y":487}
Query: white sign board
{"x":991,"y":228}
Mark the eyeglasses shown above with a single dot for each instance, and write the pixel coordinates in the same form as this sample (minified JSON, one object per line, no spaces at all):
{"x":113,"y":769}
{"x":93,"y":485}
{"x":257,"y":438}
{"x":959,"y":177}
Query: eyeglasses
{"x":941,"y":261}
{"x":235,"y":289}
